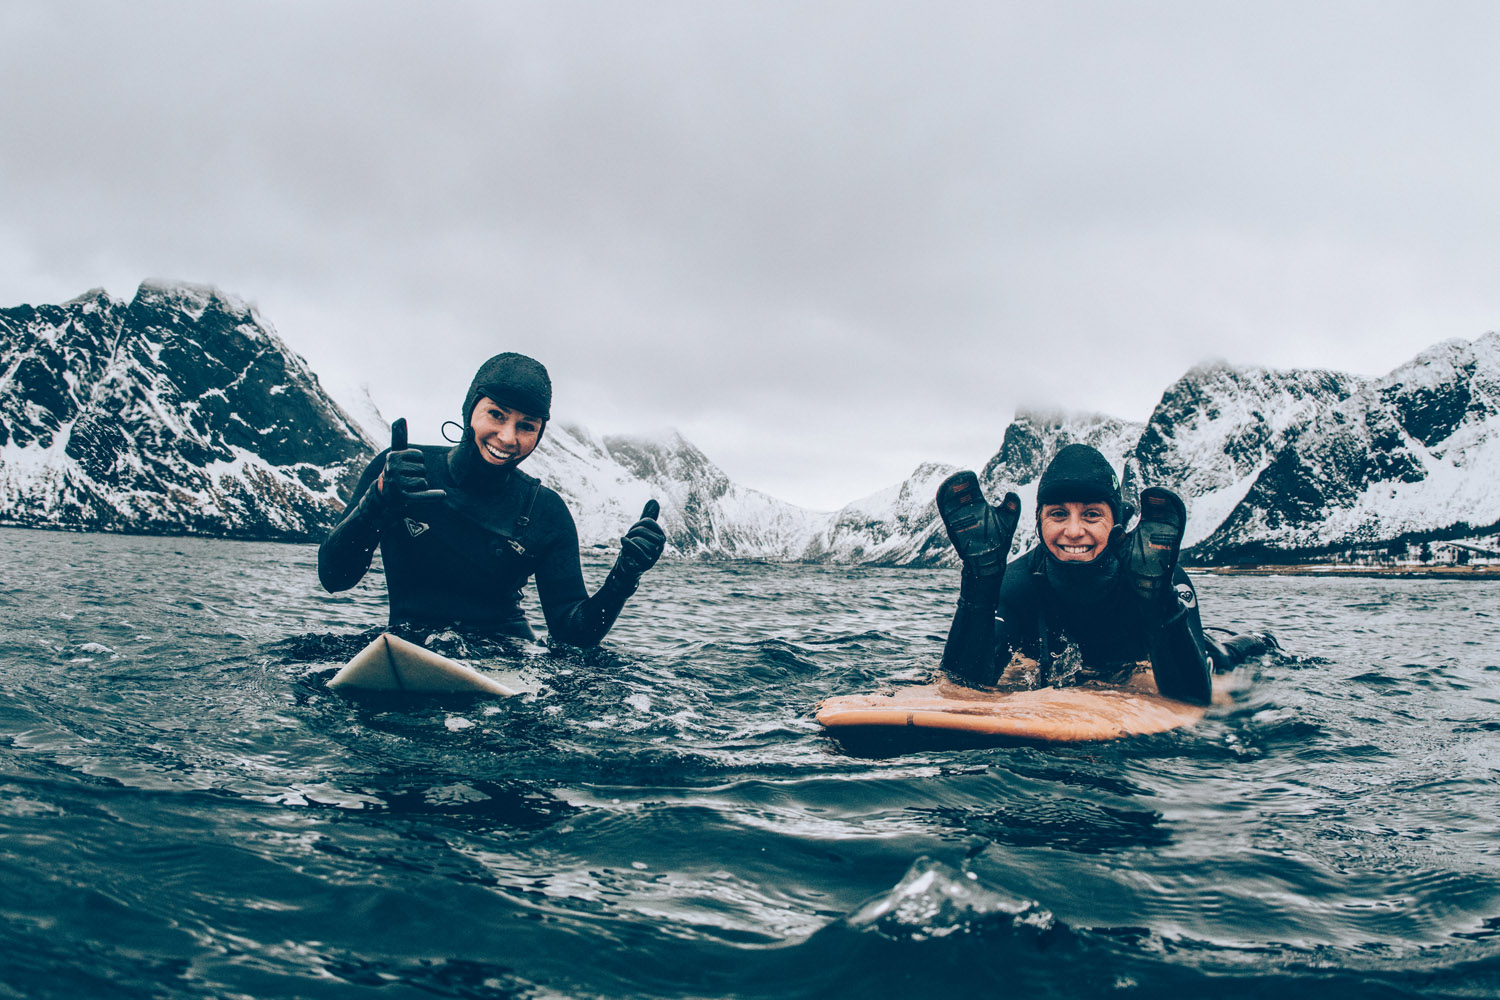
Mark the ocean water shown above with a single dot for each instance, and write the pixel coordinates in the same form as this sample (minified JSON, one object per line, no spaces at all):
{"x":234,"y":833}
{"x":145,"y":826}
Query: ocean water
{"x":187,"y":811}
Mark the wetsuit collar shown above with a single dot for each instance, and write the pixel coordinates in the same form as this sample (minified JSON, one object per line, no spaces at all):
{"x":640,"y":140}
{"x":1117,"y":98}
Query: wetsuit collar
{"x":471,"y":472}
{"x":1079,"y":583}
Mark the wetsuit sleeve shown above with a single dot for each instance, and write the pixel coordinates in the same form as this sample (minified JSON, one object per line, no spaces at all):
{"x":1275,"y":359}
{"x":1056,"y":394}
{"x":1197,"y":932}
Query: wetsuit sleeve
{"x":969,"y":654}
{"x":345,"y":555}
{"x":1179,"y":660}
{"x":572,"y":616}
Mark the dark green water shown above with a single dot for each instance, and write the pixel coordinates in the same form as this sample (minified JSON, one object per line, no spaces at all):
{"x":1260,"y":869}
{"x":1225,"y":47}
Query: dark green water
{"x":186,"y":811}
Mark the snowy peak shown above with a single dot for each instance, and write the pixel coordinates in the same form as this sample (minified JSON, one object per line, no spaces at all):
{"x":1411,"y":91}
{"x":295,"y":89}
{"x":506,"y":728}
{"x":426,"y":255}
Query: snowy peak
{"x":1445,"y":387}
{"x":216,"y":360}
{"x":183,"y":411}
{"x":900,"y":525}
{"x":1272,"y":463}
{"x":93,"y":300}
{"x":1218,"y":427}
{"x":896,"y":526}
{"x":607,"y":480}
{"x":178,"y":412}
{"x":1034,"y":436}
{"x":1416,"y":451}
{"x":1218,"y":423}
{"x":186,"y":303}
{"x":667,"y":458}
{"x":705,"y":514}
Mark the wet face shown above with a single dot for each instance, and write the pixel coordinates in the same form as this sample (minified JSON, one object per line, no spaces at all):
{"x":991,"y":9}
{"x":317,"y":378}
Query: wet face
{"x":1076,"y":532}
{"x":503,"y":435}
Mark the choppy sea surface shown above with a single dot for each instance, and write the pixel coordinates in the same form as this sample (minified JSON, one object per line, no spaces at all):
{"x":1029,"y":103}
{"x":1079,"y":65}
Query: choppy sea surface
{"x":187,"y":811}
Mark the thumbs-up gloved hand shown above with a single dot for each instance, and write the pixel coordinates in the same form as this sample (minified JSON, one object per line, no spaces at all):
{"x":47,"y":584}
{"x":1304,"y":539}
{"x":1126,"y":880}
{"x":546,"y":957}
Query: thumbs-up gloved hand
{"x":643,"y":543}
{"x":404,"y":481}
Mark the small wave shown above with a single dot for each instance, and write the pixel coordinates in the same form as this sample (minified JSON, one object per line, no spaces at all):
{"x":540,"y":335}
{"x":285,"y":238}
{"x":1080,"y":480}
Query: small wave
{"x":1063,"y":823}
{"x":934,"y":900}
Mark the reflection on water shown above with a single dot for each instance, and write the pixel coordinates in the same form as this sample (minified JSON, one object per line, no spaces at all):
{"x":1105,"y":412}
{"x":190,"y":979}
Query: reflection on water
{"x":187,"y":811}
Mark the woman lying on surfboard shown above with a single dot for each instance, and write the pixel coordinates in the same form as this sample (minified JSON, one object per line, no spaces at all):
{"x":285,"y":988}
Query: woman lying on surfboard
{"x":461,"y":529}
{"x":1090,"y":600}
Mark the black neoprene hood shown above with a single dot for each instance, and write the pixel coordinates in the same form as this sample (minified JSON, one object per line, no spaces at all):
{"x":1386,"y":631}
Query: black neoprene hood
{"x":1079,"y":473}
{"x":512,"y":380}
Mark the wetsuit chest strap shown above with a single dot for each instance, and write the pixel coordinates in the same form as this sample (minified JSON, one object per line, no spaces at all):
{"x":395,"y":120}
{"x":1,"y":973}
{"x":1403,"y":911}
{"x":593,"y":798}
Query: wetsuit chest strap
{"x":524,"y":520}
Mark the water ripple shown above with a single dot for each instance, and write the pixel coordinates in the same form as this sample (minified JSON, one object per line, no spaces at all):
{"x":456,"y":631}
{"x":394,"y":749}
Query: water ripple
{"x":188,"y":811}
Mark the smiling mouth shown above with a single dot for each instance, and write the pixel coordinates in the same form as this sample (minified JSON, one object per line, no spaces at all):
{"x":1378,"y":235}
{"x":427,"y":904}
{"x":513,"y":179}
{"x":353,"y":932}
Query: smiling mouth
{"x":498,"y":456}
{"x":1077,"y":550}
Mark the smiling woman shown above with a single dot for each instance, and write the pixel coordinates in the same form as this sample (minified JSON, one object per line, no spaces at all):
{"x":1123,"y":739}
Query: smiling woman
{"x":461,"y":529}
{"x":1076,"y":531}
{"x":1091,"y":601}
{"x":504,"y":435}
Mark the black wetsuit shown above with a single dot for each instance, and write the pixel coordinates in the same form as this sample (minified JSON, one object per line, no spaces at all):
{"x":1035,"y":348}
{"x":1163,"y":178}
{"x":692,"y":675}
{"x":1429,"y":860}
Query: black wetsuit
{"x":1077,"y":621}
{"x":462,"y":561}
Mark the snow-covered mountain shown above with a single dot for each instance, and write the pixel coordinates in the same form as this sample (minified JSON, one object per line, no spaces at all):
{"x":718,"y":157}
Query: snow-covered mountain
{"x":607,"y":480}
{"x":896,"y":526}
{"x":1219,"y":427}
{"x":1414,"y":452}
{"x":1029,"y":444}
{"x":182,"y":411}
{"x":179,"y":412}
{"x":900,"y":526}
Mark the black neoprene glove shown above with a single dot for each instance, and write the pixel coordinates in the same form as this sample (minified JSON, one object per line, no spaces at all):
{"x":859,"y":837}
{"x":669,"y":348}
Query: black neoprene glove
{"x":981,"y":532}
{"x":1151,"y":550}
{"x":404,"y":481}
{"x":642,"y":544}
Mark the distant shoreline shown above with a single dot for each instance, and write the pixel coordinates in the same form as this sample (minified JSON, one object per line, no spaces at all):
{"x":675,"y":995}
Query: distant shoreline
{"x":1331,"y":569}
{"x":602,"y":552}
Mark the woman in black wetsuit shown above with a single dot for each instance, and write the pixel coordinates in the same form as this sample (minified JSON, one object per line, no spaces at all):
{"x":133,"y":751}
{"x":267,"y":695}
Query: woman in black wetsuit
{"x":1089,"y":601}
{"x":461,"y":529}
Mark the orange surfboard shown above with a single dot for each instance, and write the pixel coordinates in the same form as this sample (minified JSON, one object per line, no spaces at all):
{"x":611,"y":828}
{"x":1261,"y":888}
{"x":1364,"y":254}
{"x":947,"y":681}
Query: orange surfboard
{"x":1053,"y":715}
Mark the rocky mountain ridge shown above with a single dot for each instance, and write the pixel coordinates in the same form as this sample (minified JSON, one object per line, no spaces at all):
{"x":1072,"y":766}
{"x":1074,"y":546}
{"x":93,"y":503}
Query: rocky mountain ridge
{"x":1415,"y":453}
{"x":182,"y":411}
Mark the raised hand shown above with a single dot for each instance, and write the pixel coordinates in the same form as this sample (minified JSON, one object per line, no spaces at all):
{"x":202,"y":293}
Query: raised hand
{"x":643,"y":543}
{"x":1151,"y":549}
{"x":404,"y":481}
{"x":981,"y":532}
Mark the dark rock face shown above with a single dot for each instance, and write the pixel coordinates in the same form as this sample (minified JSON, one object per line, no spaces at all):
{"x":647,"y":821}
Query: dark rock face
{"x":179,"y":412}
{"x":1033,"y":437}
{"x":183,"y":412}
{"x":1217,"y":424}
{"x":1402,"y":456}
{"x":678,"y":466}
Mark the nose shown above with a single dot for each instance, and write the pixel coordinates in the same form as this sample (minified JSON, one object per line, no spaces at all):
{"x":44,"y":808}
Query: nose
{"x":1074,"y":527}
{"x":506,"y":432}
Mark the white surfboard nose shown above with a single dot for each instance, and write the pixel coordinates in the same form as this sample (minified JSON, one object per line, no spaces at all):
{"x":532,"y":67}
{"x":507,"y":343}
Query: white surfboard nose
{"x":390,"y":663}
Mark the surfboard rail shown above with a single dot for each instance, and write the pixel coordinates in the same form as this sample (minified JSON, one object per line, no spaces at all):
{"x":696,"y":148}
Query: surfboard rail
{"x":1060,"y":715}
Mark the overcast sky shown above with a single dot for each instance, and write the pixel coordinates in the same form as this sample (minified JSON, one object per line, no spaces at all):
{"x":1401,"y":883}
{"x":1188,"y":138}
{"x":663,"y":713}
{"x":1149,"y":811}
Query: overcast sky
{"x":825,"y":241}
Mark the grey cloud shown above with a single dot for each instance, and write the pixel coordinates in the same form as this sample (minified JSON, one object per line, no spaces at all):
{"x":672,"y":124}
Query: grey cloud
{"x":701,"y":213}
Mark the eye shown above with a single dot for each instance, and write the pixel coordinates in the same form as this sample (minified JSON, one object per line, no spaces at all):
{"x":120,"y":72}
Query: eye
{"x":526,"y":426}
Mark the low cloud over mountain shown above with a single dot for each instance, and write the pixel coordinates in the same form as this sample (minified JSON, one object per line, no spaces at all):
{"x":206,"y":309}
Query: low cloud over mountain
{"x":182,"y":411}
